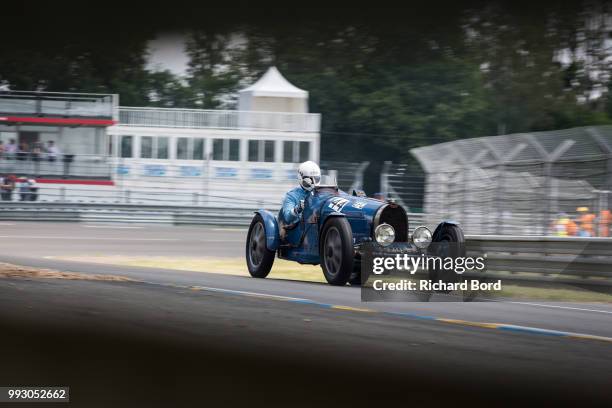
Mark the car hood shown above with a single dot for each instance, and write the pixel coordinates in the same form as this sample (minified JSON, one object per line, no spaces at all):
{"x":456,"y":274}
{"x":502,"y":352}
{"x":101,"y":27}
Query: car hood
{"x":349,"y":205}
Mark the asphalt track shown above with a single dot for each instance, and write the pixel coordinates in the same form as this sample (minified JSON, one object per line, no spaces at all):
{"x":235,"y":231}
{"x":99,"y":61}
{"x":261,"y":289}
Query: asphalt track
{"x":178,"y":338}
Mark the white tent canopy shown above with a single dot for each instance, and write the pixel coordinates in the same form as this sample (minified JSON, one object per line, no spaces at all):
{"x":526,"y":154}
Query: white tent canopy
{"x":273,"y":93}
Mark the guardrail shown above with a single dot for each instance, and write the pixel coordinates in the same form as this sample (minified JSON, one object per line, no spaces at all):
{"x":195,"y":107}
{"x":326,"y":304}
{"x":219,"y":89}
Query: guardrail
{"x":134,"y":213}
{"x":571,"y":260}
{"x":160,"y":198}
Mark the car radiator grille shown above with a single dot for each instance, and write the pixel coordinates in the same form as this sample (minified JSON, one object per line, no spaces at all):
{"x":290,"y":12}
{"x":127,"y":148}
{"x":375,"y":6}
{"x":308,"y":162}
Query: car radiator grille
{"x":395,"y":216}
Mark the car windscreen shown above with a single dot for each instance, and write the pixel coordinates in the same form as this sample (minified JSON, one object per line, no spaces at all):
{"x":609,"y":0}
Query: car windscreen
{"x":328,"y":181}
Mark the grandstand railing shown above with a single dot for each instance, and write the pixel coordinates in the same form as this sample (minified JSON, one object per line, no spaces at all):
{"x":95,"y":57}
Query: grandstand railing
{"x":64,"y":166}
{"x":58,"y":104}
{"x":219,"y":119}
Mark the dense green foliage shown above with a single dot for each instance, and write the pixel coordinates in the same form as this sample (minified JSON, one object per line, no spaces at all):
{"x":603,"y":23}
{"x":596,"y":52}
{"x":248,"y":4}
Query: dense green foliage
{"x":386,"y":80}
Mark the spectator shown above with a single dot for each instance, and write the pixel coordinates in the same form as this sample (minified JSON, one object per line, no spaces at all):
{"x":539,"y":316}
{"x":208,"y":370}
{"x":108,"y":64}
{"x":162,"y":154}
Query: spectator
{"x":52,"y":151}
{"x":564,"y":226}
{"x":37,"y":149}
{"x":605,"y":218}
{"x":7,"y":185}
{"x":586,"y":222}
{"x":33,"y":190}
{"x":28,"y":190}
{"x":572,"y":228}
{"x":10,"y":149}
{"x":24,"y":190}
{"x":22,"y":152}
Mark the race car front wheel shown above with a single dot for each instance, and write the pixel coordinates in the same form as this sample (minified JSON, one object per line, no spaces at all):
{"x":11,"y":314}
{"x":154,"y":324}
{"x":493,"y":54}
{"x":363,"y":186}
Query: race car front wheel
{"x":336,"y":251}
{"x":259,"y":258}
{"x":449,"y":241}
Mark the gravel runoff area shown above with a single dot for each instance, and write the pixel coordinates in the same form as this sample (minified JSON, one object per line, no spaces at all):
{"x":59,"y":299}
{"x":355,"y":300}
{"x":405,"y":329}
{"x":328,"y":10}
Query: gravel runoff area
{"x":15,"y":271}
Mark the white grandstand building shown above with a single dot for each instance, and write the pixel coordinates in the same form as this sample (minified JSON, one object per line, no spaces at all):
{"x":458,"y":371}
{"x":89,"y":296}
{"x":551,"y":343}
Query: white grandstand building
{"x":110,"y":153}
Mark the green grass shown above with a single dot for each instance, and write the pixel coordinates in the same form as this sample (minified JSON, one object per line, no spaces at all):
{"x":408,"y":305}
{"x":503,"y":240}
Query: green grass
{"x":559,"y":294}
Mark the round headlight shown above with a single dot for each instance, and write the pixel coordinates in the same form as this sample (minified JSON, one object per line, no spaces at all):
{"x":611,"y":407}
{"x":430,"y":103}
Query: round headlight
{"x":421,"y":237}
{"x":384,"y":234}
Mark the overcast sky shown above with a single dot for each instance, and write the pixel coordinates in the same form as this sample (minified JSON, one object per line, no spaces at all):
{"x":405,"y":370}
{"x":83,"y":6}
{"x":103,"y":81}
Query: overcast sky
{"x":167,"y":51}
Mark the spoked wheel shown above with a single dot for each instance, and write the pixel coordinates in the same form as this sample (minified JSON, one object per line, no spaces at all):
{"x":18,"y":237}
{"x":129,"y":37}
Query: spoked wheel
{"x":259,"y":257}
{"x":337,"y":251}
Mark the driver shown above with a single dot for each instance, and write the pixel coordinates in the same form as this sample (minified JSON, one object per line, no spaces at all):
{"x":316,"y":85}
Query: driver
{"x":309,"y":176}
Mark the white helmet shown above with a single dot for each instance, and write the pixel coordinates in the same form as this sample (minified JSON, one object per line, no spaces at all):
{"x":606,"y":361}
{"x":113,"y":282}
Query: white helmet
{"x":309,"y":175}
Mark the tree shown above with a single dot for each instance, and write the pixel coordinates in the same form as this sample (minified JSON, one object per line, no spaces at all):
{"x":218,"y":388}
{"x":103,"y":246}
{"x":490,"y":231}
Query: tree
{"x":167,"y":90}
{"x":213,"y":75}
{"x":536,"y":66}
{"x":387,"y":80}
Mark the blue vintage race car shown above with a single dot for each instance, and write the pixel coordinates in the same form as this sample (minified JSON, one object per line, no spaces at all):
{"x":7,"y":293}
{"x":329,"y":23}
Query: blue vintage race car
{"x":333,"y":230}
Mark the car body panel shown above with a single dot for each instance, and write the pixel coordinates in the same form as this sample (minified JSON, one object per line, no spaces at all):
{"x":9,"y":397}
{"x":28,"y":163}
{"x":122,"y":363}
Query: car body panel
{"x":301,"y":242}
{"x":271,"y":229}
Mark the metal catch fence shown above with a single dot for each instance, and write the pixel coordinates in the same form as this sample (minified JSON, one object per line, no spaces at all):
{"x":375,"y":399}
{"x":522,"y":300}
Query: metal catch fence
{"x":543,"y":183}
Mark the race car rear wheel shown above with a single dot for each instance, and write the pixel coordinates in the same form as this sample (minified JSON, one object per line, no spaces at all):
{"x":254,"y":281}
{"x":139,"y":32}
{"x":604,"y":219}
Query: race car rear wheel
{"x":337,"y":251}
{"x":259,"y":258}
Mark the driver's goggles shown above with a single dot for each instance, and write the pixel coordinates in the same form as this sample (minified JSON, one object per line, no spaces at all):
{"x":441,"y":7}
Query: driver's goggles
{"x":313,"y":179}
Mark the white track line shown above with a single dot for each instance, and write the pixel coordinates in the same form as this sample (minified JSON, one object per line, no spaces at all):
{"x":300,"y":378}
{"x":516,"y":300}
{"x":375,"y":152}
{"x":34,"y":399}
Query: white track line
{"x":560,"y":307}
{"x":497,"y":326}
{"x":110,"y":227}
{"x":114,"y":238}
{"x":247,"y":293}
{"x":88,"y":238}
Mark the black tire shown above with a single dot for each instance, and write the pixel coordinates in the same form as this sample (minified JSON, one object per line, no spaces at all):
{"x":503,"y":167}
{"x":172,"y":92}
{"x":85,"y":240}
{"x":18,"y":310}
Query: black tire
{"x":453,"y":235}
{"x":258,"y":257}
{"x":336,"y":251}
{"x":355,"y":279}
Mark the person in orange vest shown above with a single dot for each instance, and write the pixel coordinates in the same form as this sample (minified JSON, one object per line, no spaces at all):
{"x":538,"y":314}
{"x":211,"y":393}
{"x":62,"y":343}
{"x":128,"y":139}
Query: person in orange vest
{"x":604,"y":223}
{"x":571,"y":228}
{"x":586,"y":221}
{"x":563,"y":226}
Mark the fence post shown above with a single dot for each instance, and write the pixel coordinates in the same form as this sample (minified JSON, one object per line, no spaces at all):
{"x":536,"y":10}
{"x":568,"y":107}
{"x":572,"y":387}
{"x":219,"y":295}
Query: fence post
{"x":206,"y":178}
{"x":358,"y":181}
{"x":62,"y":194}
{"x":607,"y":148}
{"x":384,"y":178}
{"x":334,"y":174}
{"x":608,"y":204}
{"x":548,"y":160}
